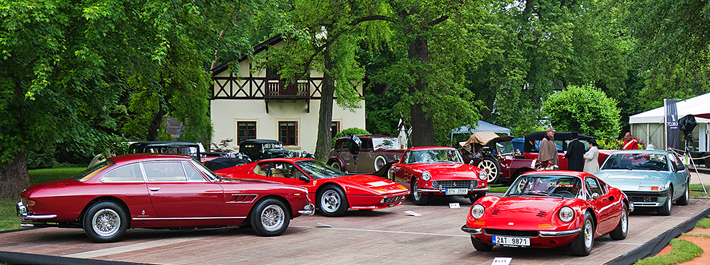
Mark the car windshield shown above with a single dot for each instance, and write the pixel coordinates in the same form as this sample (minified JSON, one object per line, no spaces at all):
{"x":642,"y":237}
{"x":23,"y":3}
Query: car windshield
{"x":433,"y":156}
{"x":637,"y":161}
{"x":385,"y":143}
{"x":544,"y":185}
{"x":91,"y":171}
{"x":272,"y":146}
{"x":318,"y":170}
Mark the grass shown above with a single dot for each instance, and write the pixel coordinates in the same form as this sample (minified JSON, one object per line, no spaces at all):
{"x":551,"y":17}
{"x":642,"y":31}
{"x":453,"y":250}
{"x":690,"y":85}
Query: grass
{"x":682,"y":251}
{"x":498,"y":189}
{"x":703,"y":223}
{"x":698,"y":192}
{"x":8,"y":214}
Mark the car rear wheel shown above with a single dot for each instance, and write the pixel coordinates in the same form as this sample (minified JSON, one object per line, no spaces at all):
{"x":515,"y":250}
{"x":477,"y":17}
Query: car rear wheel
{"x":582,"y":245}
{"x":105,"y":222}
{"x":270,"y":217}
{"x":667,"y":208}
{"x":623,"y":227}
{"x":335,"y":165}
{"x":380,"y":162}
{"x":480,"y":246}
{"x":332,"y":201}
{"x":418,"y":197}
{"x":475,"y":197}
{"x":492,"y":168}
{"x":686,"y":196}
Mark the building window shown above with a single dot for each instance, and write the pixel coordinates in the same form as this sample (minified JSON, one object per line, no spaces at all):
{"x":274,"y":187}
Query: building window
{"x":334,"y":128}
{"x":246,"y":130}
{"x":288,"y":132}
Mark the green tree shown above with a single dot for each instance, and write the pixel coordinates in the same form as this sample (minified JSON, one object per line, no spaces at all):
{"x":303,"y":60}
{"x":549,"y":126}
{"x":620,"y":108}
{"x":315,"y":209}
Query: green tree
{"x":584,"y":109}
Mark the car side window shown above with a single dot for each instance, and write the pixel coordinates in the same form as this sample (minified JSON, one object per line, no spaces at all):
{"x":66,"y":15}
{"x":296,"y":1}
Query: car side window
{"x":191,"y":173}
{"x":164,"y":172}
{"x":261,"y":169}
{"x":284,"y":170}
{"x":127,"y":173}
{"x":593,"y":186}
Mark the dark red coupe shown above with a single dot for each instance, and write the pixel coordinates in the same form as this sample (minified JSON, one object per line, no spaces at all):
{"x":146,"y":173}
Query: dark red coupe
{"x":156,"y":191}
{"x":333,"y":191}
{"x":438,"y":171}
{"x":545,"y":209}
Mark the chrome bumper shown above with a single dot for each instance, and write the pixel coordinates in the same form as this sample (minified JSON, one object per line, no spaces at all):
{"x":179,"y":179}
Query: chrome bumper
{"x":24,"y":216}
{"x":560,"y":233}
{"x":475,"y":231}
{"x":309,"y":209}
{"x":444,"y":190}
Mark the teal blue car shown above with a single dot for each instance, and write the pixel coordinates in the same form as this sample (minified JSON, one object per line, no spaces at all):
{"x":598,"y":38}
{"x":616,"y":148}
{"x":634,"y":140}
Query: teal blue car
{"x":650,"y":178}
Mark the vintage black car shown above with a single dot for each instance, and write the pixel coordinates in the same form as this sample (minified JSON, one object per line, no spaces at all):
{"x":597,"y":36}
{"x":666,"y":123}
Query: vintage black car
{"x":257,"y":149}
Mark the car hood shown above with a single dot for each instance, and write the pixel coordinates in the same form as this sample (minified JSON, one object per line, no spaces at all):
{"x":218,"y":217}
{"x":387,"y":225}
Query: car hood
{"x":523,"y":208}
{"x":237,"y":180}
{"x":630,"y":180}
{"x":374,"y":183}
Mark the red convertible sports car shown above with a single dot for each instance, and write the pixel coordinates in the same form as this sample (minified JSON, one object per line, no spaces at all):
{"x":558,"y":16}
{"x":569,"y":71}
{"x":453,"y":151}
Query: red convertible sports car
{"x":333,"y":191}
{"x":438,"y":171}
{"x":545,"y":209}
{"x":156,"y":191}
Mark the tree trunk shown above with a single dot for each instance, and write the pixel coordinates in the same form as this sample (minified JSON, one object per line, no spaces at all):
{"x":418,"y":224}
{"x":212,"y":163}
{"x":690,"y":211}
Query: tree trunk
{"x":422,"y":122}
{"x":154,"y":125}
{"x":325,"y":115}
{"x":14,"y":176}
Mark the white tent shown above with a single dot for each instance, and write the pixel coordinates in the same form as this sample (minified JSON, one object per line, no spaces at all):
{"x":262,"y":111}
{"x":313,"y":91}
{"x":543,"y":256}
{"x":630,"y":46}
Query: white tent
{"x":648,"y":126}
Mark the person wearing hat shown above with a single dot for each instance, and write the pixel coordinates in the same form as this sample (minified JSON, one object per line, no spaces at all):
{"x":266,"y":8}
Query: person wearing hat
{"x":575,"y":154}
{"x":548,"y":148}
{"x":591,"y":158}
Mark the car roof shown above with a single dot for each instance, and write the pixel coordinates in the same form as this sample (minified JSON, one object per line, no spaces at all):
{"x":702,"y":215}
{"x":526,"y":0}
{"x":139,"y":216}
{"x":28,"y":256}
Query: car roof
{"x":258,"y":141}
{"x":163,"y":143}
{"x":430,"y":148}
{"x":143,"y":157}
{"x":369,"y":136}
{"x":640,"y":151}
{"x":289,"y":159}
{"x":558,"y":173}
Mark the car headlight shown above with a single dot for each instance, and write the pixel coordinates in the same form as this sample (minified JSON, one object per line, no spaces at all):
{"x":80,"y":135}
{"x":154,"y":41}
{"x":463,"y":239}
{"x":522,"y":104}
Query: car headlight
{"x":566,"y":214}
{"x":482,"y":174}
{"x":426,"y":176}
{"x":477,"y":211}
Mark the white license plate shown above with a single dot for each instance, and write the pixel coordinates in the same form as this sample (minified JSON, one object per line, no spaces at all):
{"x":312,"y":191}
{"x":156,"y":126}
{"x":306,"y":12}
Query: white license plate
{"x":459,"y":191}
{"x":511,"y":241}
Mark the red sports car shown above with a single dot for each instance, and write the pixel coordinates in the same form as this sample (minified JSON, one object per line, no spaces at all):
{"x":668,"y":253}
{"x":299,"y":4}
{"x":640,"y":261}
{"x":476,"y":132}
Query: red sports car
{"x":333,"y":191}
{"x":159,"y":190}
{"x":545,"y":209}
{"x":438,"y":171}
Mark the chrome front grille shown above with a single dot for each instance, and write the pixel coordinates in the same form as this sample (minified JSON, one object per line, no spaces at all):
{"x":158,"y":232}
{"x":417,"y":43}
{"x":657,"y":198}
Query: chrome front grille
{"x":450,"y":184}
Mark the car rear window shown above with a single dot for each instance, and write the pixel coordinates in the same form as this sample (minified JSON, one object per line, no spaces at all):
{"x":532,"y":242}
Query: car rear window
{"x":90,"y":172}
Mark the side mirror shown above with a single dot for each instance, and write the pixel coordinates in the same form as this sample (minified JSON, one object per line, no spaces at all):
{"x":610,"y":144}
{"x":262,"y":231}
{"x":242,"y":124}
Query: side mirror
{"x":304,"y":178}
{"x":595,"y":196}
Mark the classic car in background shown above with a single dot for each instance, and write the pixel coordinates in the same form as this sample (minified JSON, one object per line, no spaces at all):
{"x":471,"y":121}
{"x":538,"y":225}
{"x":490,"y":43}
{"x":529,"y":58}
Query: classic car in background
{"x":156,"y":191}
{"x":546,"y":209}
{"x":652,"y":179}
{"x":374,"y":153}
{"x":195,"y":150}
{"x":438,"y":171}
{"x":562,"y":140}
{"x":333,"y":191}
{"x":257,"y":149}
{"x":495,"y":154}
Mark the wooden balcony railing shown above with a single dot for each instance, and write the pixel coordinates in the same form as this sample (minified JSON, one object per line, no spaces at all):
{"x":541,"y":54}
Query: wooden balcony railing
{"x":281,"y":90}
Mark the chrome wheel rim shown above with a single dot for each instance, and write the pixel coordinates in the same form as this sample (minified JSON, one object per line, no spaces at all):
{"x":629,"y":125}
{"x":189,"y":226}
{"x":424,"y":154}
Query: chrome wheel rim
{"x":588,"y":234}
{"x":669,"y":202}
{"x":624,"y":221}
{"x":415,"y":191}
{"x":335,"y":166}
{"x":687,"y":193}
{"x":106,"y":222}
{"x":272,"y":218}
{"x":490,"y":169}
{"x":379,"y":163}
{"x":330,"y":201}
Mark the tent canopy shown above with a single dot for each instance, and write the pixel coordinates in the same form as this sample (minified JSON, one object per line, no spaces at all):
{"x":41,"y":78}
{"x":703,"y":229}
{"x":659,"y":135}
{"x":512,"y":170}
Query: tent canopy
{"x":698,"y":106}
{"x":482,"y":126}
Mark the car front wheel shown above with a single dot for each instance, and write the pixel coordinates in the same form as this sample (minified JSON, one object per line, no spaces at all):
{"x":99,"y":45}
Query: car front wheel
{"x":332,"y":201}
{"x":480,"y":246}
{"x":270,"y":217}
{"x":667,"y":208}
{"x":623,"y":227}
{"x":474,"y":197}
{"x":335,"y":165}
{"x":418,"y":197}
{"x":105,"y":222}
{"x":492,"y":168}
{"x":582,"y":245}
{"x":686,"y":196}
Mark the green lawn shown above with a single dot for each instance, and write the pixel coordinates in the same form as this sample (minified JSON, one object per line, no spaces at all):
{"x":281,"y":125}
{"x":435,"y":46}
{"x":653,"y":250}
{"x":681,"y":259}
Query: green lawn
{"x":682,"y":251}
{"x":8,"y":215}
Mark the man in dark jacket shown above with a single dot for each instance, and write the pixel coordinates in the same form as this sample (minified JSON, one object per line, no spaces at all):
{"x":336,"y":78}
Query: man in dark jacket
{"x":575,"y":154}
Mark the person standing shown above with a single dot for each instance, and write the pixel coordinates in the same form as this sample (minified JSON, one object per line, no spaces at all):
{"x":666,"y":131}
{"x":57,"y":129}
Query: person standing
{"x":629,"y":142}
{"x":591,"y":158}
{"x":548,"y":148}
{"x":575,"y":154}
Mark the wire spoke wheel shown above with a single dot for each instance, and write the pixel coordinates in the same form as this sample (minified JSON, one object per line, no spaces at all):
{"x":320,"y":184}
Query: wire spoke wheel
{"x":272,"y":217}
{"x":106,"y":222}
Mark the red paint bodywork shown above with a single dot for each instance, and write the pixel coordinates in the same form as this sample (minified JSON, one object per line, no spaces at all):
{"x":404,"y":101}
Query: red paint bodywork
{"x":360,"y":194}
{"x":175,"y":204}
{"x":405,"y":173}
{"x":523,"y":213}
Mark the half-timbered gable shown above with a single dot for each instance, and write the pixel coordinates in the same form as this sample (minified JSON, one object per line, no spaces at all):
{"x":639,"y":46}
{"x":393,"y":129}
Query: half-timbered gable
{"x":253,"y":102}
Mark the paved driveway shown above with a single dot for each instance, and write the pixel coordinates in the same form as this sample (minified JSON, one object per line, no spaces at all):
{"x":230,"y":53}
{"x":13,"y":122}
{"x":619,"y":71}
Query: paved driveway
{"x":387,"y":236}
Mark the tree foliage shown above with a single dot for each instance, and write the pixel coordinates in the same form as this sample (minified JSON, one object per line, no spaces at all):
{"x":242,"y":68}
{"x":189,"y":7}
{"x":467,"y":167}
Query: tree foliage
{"x":584,"y":109}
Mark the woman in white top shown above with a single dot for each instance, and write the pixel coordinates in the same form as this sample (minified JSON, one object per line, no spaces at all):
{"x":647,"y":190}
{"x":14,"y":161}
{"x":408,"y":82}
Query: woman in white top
{"x":591,"y":158}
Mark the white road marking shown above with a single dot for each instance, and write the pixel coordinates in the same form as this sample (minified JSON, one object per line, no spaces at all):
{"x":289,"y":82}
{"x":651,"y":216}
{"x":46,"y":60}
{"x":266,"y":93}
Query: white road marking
{"x":385,"y":231}
{"x":132,"y":247}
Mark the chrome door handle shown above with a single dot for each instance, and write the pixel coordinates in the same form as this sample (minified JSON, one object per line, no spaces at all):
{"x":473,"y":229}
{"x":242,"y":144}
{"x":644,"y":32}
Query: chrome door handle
{"x":154,"y":189}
